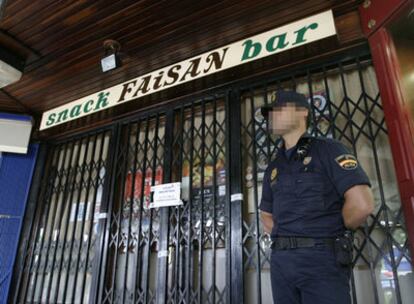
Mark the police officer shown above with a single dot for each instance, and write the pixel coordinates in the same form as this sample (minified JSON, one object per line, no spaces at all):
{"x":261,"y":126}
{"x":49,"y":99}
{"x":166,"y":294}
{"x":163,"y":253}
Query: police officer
{"x":314,"y":193}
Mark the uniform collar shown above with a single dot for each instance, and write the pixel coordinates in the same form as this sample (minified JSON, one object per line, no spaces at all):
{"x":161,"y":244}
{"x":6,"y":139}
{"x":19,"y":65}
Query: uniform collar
{"x":281,"y":149}
{"x":305,"y":135}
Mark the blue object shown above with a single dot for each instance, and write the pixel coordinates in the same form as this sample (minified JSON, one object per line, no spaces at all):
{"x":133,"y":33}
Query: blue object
{"x":304,"y":192}
{"x":309,"y":276}
{"x":283,"y":98}
{"x":16,"y":173}
{"x":306,"y":196}
{"x":15,"y":116}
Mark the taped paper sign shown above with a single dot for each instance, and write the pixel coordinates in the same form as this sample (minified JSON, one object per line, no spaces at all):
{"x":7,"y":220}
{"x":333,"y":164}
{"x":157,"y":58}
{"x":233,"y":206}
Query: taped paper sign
{"x":166,"y":195}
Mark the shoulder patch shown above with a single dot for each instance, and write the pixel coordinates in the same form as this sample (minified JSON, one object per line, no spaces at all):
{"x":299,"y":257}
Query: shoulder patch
{"x":347,"y":161}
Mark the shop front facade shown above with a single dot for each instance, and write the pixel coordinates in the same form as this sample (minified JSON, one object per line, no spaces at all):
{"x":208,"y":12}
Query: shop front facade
{"x":91,"y":236}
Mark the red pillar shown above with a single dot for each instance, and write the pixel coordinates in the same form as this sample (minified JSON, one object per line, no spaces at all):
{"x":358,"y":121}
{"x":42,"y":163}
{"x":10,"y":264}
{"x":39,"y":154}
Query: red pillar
{"x":375,"y":16}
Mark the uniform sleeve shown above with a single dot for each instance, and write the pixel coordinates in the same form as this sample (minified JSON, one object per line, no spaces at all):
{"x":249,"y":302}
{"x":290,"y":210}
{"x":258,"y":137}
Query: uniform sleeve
{"x":342,"y":167}
{"x":266,"y":203}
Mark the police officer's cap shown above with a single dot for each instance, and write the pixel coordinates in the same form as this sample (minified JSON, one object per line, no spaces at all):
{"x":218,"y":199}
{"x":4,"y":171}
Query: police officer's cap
{"x":283,"y":98}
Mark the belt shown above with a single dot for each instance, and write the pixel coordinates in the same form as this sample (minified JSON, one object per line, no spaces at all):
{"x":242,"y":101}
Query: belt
{"x":292,"y":242}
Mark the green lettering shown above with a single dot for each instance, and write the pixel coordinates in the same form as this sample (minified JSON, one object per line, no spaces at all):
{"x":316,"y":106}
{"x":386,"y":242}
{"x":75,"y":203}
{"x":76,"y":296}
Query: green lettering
{"x":62,"y":116}
{"x":300,"y":34}
{"x":51,"y":119}
{"x":250,"y":53}
{"x":86,"y":107}
{"x":75,"y":111}
{"x":102,"y":101}
{"x":281,"y":43}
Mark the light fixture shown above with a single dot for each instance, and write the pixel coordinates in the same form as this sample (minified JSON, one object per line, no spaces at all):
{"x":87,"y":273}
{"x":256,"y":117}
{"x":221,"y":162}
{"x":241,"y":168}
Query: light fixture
{"x":11,"y":67}
{"x":15,"y":131}
{"x":111,"y":60}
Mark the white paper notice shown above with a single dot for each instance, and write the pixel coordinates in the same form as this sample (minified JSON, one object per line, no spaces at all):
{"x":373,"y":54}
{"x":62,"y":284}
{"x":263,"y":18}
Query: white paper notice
{"x":166,"y":195}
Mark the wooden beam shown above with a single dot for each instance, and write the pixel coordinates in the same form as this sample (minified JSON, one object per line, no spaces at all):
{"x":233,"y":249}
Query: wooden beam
{"x":14,"y":44}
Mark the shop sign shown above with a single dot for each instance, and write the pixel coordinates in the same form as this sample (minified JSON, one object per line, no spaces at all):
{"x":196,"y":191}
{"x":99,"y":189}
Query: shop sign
{"x":265,"y":44}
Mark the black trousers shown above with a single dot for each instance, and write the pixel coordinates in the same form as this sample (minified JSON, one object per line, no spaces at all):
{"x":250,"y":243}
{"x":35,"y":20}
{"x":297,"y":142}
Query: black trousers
{"x":309,"y":276}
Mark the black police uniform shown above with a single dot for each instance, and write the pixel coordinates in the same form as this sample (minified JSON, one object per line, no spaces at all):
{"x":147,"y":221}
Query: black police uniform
{"x":305,"y":194}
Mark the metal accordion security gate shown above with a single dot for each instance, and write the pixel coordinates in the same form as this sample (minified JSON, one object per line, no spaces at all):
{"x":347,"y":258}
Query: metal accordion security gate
{"x":195,"y":233}
{"x":96,"y":239}
{"x":61,"y":249}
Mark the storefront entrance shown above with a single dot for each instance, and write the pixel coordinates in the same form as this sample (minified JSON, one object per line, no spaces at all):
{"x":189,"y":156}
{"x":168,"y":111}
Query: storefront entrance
{"x":94,"y":238}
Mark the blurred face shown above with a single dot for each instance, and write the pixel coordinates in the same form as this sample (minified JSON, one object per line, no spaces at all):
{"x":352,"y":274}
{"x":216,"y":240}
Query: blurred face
{"x":284,"y":119}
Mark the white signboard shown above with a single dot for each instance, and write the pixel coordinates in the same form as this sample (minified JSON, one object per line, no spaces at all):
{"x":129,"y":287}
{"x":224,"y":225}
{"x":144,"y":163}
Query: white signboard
{"x":166,"y":195}
{"x":265,"y":44}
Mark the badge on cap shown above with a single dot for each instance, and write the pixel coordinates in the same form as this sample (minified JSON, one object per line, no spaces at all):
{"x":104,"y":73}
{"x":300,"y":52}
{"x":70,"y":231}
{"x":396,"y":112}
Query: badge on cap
{"x":274,"y":175}
{"x":274,"y":96}
{"x":347,"y":161}
{"x":307,"y":160}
